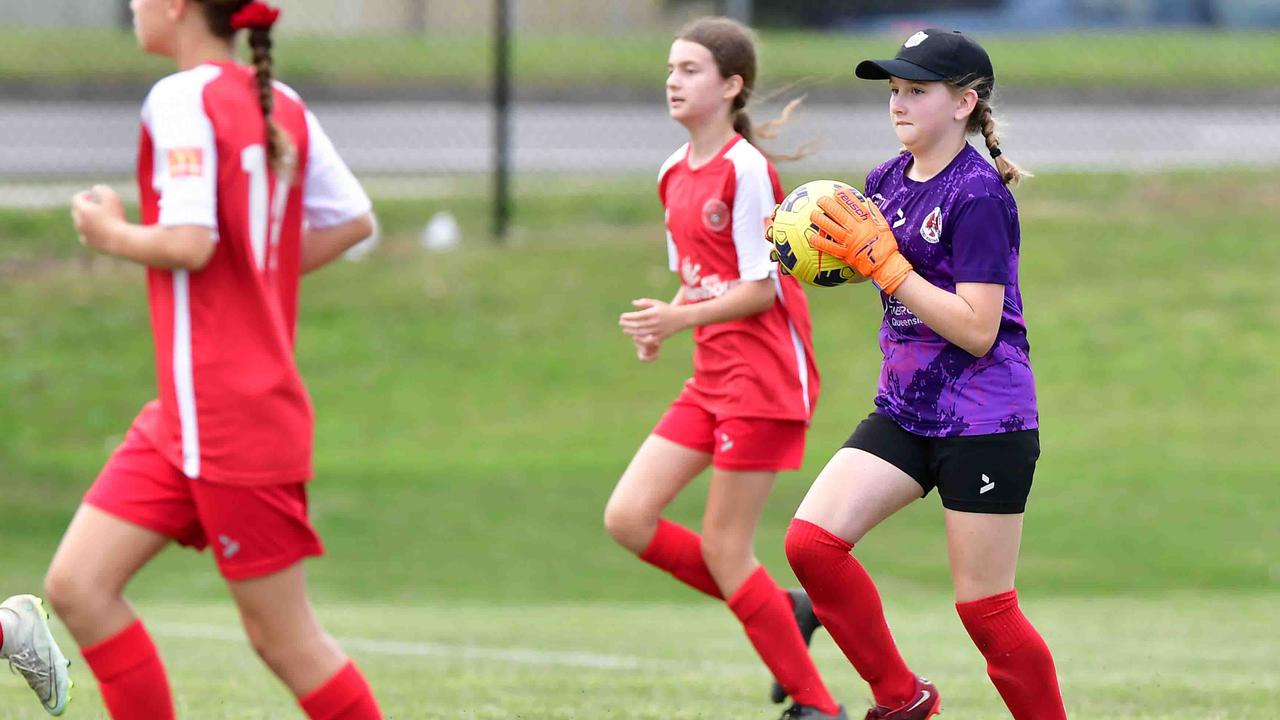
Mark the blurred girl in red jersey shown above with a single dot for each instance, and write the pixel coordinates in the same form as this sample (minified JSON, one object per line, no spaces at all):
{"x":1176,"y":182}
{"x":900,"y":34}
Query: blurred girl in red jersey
{"x":241,"y":193}
{"x":747,"y":407}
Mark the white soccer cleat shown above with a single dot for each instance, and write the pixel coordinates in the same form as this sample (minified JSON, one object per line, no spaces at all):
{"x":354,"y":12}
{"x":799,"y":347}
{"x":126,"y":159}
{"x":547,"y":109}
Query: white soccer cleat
{"x":35,"y":654}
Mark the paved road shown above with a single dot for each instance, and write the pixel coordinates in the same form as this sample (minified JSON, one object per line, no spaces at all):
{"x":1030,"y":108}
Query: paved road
{"x":52,"y":140}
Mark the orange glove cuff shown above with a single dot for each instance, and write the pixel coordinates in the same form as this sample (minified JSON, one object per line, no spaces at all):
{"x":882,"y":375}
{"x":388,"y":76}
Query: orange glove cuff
{"x":891,"y":273}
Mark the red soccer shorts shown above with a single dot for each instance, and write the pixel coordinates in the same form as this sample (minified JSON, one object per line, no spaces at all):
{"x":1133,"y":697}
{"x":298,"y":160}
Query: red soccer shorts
{"x":735,"y":443}
{"x":256,"y":530}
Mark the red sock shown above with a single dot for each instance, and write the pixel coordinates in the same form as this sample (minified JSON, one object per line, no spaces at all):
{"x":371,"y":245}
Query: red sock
{"x":766,"y":614}
{"x":678,"y":550}
{"x":846,"y":601}
{"x":1018,"y":661}
{"x":345,"y":696}
{"x":131,"y":676}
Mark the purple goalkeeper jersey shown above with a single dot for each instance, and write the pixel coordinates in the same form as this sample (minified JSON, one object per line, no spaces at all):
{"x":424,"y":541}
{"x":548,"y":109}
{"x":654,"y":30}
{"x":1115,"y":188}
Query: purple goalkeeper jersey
{"x":959,"y":226}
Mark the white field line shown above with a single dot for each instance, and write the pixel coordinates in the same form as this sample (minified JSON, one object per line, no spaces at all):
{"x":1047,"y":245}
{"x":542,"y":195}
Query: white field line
{"x":450,"y":651}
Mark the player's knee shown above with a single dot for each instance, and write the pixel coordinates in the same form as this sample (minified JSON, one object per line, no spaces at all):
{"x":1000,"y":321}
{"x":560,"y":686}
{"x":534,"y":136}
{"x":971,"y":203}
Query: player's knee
{"x":274,"y":648}
{"x":72,"y":593}
{"x":804,"y":554}
{"x":632,"y":528}
{"x":725,"y":549}
{"x":289,"y":652}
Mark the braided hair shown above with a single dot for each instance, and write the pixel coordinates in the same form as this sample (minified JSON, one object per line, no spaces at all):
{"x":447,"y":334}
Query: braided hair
{"x":219,"y":15}
{"x":983,"y":121}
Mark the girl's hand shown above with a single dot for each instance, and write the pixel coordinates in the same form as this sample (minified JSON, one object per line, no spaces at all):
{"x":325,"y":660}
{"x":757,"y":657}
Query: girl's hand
{"x":96,"y":214}
{"x":654,"y":319}
{"x":647,"y":348}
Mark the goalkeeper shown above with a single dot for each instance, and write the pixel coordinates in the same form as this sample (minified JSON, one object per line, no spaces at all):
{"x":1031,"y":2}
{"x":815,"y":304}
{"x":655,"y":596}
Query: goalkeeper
{"x":956,"y":407}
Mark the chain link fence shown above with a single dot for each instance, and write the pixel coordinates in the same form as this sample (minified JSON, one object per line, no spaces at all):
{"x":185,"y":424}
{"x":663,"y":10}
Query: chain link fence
{"x":407,"y":87}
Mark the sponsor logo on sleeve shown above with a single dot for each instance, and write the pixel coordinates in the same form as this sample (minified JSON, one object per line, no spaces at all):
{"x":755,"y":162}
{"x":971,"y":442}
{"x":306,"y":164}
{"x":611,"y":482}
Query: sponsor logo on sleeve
{"x":186,"y":162}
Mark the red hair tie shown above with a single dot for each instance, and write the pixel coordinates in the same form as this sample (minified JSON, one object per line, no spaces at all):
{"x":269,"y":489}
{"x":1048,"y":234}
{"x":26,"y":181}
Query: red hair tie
{"x":256,"y":15}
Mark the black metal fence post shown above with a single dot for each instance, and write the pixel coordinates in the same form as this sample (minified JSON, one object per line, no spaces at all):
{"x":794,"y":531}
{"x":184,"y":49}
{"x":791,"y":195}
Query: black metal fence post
{"x":501,"y":118}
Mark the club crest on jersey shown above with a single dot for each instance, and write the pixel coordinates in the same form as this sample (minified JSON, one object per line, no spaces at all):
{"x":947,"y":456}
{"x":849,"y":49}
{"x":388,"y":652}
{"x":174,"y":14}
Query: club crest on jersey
{"x":186,"y":162}
{"x":931,"y":228}
{"x":715,"y":215}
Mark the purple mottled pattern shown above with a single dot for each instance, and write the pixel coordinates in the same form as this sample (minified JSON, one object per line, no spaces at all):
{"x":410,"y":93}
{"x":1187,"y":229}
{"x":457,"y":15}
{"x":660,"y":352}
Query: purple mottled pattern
{"x":959,"y":226}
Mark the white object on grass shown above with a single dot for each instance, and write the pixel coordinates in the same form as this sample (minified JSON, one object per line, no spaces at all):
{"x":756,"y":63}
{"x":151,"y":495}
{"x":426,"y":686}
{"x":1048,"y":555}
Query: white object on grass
{"x":441,"y":233}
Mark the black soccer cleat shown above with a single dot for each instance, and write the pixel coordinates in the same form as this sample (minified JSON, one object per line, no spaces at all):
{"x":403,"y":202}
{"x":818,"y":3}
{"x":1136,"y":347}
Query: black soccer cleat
{"x":807,"y":622}
{"x":809,"y":712}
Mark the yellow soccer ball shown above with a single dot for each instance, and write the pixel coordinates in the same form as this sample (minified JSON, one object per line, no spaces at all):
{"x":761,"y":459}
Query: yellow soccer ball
{"x":790,"y":232}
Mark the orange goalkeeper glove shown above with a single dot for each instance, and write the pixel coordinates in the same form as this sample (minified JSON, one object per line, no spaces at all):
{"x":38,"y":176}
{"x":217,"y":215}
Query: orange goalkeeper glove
{"x":854,"y":230}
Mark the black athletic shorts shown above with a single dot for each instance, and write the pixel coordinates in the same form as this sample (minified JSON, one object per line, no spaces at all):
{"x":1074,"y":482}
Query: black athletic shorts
{"x":973,"y":473}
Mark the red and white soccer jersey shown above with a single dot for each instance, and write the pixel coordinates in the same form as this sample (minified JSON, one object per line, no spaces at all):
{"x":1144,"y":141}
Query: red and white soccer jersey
{"x":232,"y":407}
{"x":758,"y":366}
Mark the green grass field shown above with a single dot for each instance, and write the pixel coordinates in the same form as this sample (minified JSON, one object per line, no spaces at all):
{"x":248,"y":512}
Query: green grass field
{"x":475,"y":408}
{"x":1179,"y":656}
{"x":1137,"y":60}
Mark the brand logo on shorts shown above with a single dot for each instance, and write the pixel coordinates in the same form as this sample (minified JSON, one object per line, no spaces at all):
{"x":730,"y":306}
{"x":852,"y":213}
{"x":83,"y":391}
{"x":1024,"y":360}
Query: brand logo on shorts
{"x":229,"y":547}
{"x":931,"y":228}
{"x":726,"y":442}
{"x":989,"y":485}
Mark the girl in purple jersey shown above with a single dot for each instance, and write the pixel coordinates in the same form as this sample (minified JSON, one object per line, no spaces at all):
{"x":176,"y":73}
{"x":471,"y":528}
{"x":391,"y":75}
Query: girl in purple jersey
{"x":956,"y":406}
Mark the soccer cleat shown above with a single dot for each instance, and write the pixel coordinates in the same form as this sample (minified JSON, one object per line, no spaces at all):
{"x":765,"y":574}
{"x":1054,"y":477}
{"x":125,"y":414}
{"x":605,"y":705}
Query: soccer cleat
{"x":925,"y":704}
{"x":809,"y":712}
{"x":808,"y":623}
{"x":37,"y":656}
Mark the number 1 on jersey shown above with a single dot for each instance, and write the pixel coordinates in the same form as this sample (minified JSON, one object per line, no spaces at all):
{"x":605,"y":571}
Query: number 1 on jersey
{"x":264,"y":227}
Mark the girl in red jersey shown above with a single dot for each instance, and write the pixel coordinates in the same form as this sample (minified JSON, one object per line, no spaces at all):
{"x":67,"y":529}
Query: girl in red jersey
{"x":241,"y":193}
{"x":956,"y":407}
{"x":747,"y":407}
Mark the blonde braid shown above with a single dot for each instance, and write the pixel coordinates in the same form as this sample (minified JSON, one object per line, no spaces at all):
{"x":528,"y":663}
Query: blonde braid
{"x":983,"y":120}
{"x":1010,"y":173}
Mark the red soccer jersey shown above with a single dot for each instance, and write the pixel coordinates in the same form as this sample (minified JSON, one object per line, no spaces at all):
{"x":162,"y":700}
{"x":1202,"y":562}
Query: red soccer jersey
{"x":758,"y":366}
{"x":232,"y":407}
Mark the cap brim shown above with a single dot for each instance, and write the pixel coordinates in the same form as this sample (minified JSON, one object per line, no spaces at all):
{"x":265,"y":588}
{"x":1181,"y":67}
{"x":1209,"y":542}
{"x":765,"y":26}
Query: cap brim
{"x":885,"y":69}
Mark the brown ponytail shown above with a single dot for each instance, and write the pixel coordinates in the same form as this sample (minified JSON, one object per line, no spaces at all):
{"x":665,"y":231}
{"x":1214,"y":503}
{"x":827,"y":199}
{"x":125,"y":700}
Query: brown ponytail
{"x":281,"y":153}
{"x":733,"y":47}
{"x":983,"y":121}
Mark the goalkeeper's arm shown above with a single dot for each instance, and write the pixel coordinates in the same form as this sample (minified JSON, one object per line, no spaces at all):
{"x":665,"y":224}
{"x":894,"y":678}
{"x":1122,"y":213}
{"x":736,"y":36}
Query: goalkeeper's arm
{"x":969,"y":317}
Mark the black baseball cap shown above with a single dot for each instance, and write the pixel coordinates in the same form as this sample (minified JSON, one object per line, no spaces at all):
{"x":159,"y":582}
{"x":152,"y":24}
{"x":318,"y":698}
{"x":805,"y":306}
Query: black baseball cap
{"x":933,"y":54}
